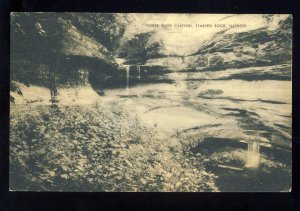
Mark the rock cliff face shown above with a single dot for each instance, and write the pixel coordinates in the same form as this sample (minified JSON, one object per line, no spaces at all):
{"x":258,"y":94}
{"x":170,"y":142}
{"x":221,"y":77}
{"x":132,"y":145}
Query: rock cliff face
{"x":171,"y":62}
{"x":229,"y":49}
{"x":254,"y":48}
{"x":61,"y":46}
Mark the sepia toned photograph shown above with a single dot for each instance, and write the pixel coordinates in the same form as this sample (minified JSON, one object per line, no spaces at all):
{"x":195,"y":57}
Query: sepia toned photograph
{"x":150,"y":102}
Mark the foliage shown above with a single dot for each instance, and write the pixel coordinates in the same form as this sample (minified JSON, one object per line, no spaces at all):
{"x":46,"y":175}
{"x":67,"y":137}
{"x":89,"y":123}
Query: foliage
{"x":104,"y":27}
{"x":35,"y":36}
{"x":285,"y":32}
{"x":96,"y":148}
{"x":140,"y":48}
{"x":39,"y":44}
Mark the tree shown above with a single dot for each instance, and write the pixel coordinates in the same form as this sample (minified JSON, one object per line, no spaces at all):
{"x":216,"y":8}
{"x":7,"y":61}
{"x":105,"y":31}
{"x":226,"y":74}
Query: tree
{"x":141,"y":48}
{"x":38,"y":47}
{"x":106,"y":28}
{"x":35,"y":41}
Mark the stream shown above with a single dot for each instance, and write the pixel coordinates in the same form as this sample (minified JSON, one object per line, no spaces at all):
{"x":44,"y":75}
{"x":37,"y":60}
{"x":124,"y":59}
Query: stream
{"x":242,"y":128}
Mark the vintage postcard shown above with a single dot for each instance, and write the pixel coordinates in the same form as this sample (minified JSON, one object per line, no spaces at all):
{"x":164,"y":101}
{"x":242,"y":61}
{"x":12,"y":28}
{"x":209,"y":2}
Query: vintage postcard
{"x":150,"y":102}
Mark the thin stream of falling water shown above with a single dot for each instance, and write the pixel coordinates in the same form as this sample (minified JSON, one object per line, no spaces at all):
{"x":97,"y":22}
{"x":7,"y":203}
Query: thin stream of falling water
{"x":208,"y":61}
{"x":127,"y":78}
{"x":253,"y":155}
{"x":139,"y":70}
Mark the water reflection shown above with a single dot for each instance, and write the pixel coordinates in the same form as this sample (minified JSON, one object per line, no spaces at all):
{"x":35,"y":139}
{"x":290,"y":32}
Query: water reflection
{"x":253,"y":155}
{"x":127,"y":68}
{"x":235,"y":109}
{"x":256,"y":168}
{"x":139,"y":71}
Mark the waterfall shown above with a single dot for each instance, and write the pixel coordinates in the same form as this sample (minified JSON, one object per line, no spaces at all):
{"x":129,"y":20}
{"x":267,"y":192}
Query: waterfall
{"x":183,"y":59}
{"x":127,"y":67}
{"x":208,"y":61}
{"x":253,"y":155}
{"x":139,"y":70}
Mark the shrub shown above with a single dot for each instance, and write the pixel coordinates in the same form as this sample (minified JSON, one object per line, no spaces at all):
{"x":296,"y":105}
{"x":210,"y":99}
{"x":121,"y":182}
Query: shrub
{"x":96,"y":148}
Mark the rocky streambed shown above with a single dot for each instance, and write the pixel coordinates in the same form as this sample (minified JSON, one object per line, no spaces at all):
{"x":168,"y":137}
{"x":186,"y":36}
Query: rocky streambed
{"x":202,"y":107}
